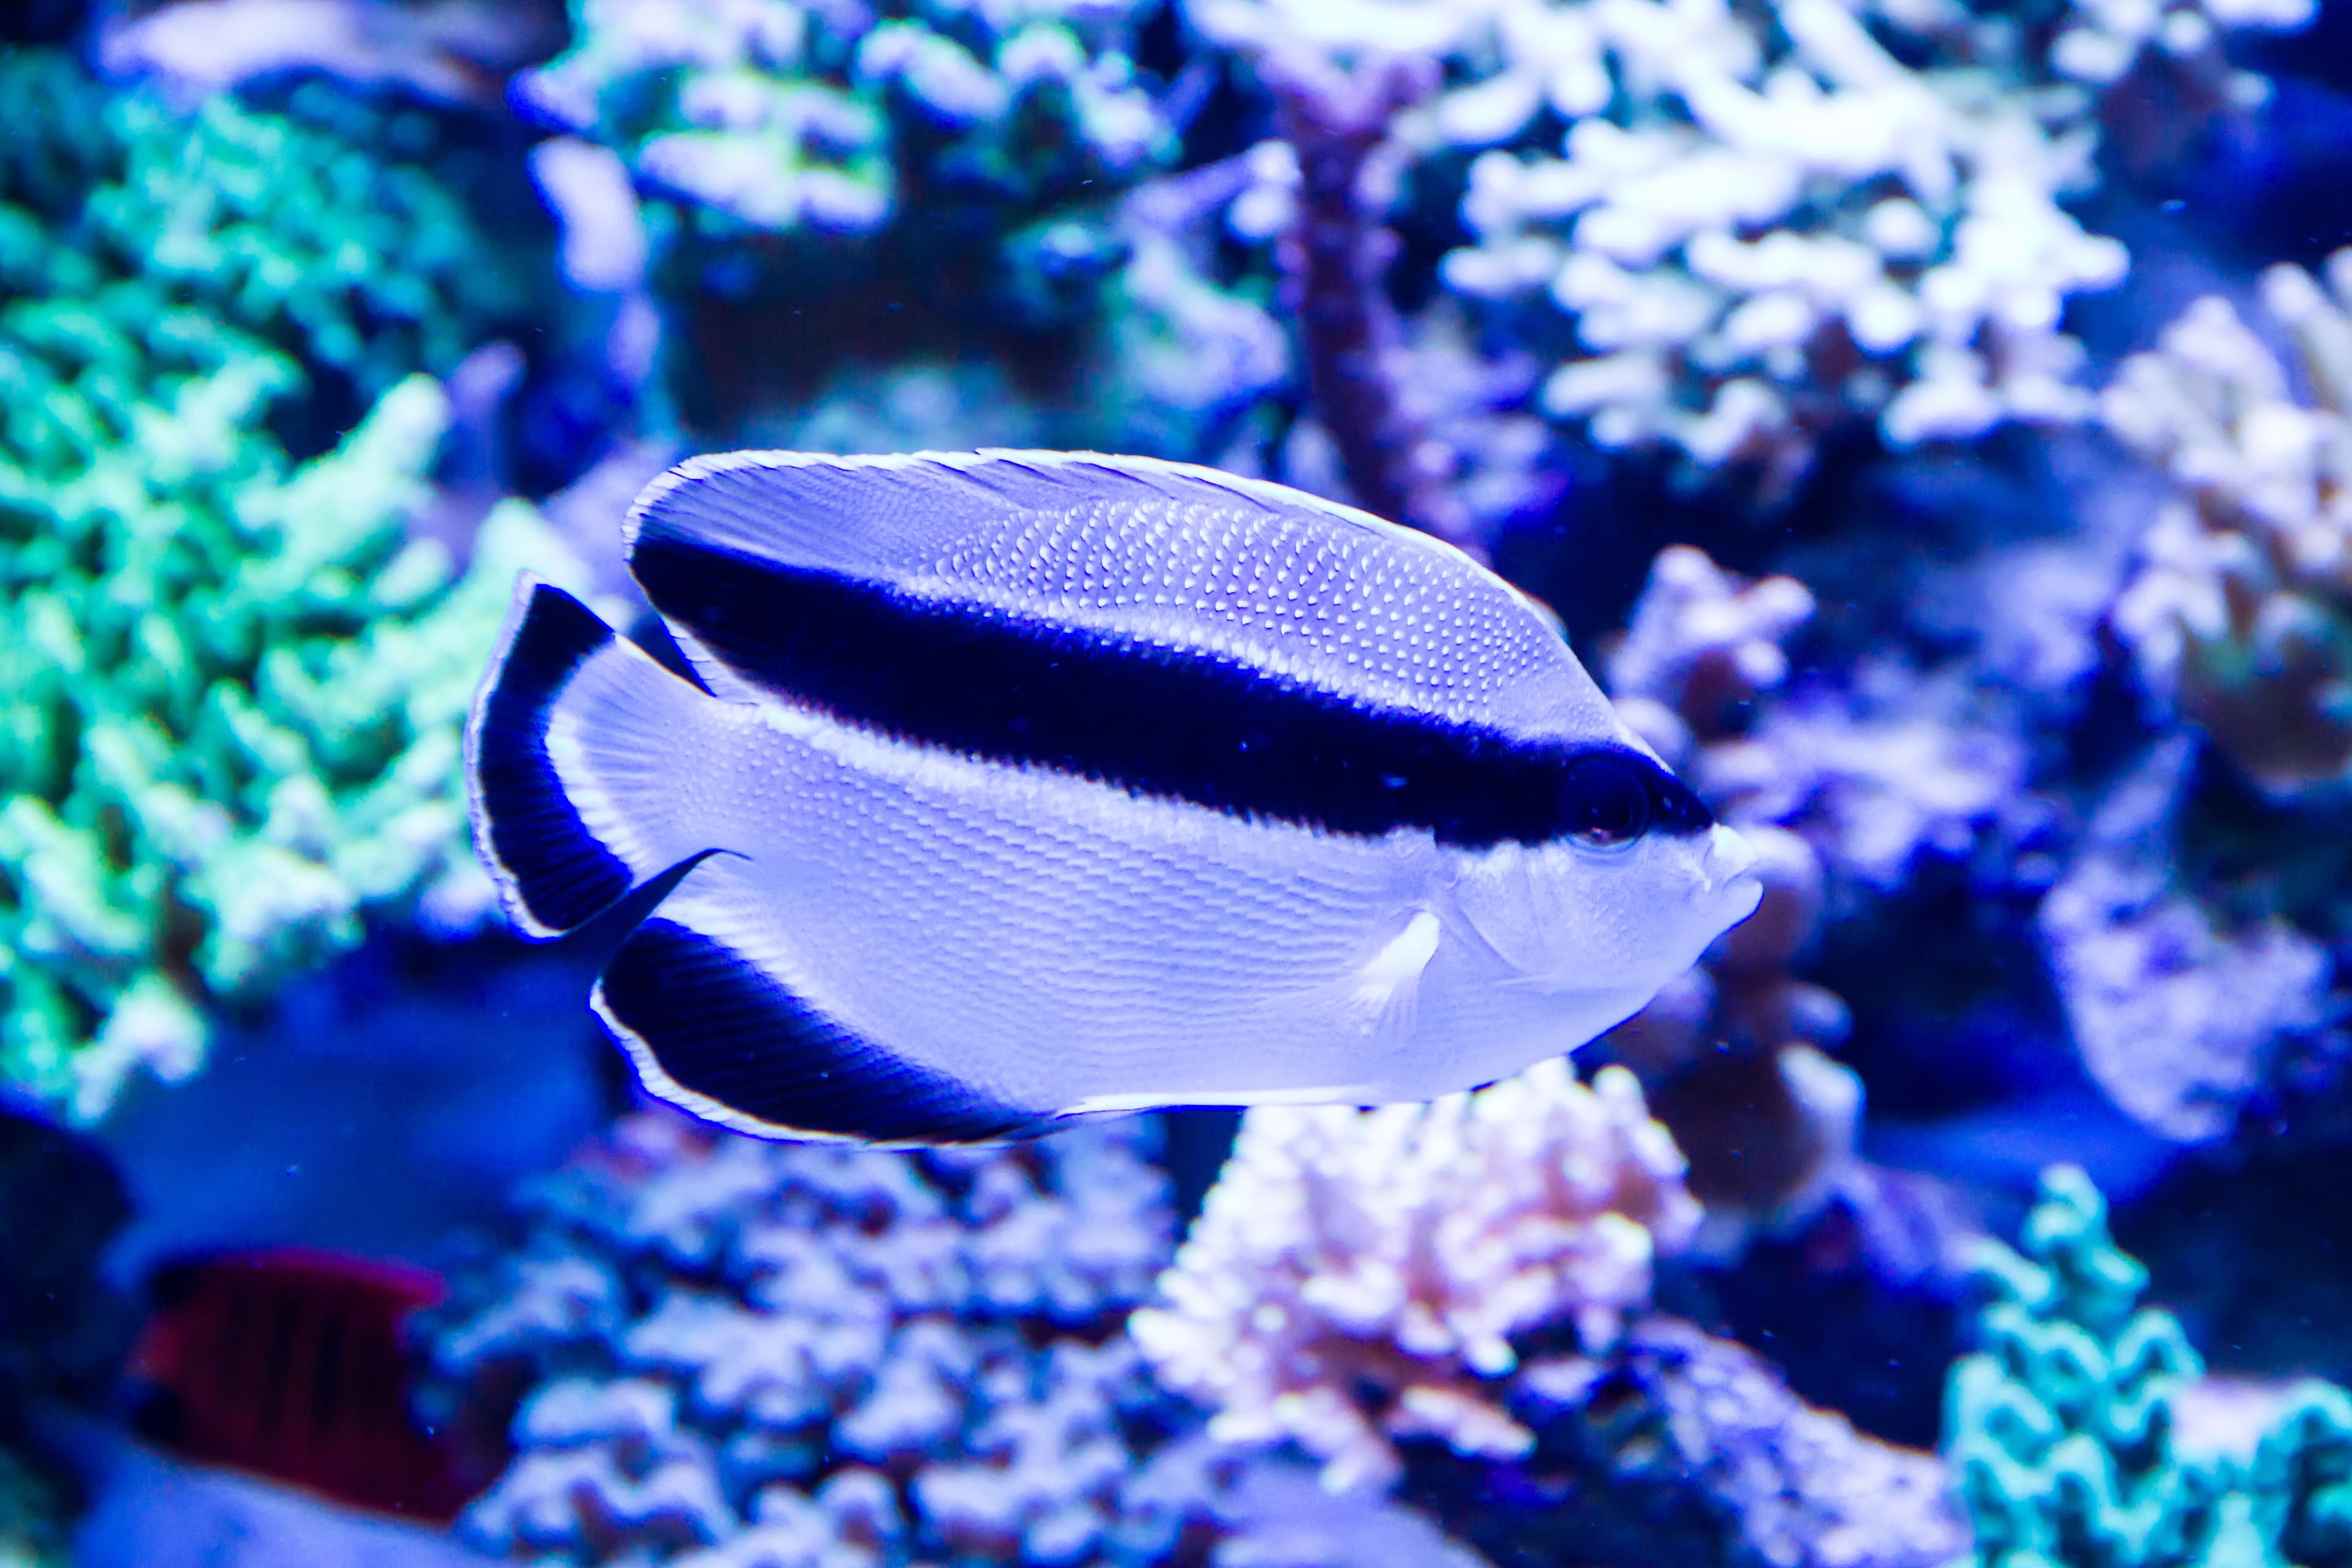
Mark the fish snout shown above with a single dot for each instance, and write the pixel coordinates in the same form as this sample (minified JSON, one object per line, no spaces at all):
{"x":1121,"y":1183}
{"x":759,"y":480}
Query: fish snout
{"x":1728,"y":859}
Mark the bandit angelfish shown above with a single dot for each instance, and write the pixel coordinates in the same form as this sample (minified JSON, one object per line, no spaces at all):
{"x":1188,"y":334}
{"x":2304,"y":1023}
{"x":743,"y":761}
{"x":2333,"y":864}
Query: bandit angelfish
{"x":1024,"y":785}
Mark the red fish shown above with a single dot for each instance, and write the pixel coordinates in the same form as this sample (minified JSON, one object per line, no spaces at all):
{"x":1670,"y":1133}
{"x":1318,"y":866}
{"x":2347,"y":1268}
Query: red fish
{"x":288,"y":1364}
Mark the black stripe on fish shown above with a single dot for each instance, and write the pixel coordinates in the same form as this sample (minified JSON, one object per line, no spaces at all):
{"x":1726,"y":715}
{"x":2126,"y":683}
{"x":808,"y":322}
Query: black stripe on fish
{"x":1169,"y":721}
{"x":723,"y":1030}
{"x":552,"y":864}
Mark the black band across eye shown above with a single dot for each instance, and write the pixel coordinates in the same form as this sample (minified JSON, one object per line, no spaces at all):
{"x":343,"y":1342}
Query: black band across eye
{"x":1605,"y":799}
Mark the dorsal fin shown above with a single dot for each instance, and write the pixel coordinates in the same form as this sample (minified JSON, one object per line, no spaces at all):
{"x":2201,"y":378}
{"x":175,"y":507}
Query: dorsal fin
{"x":1162,"y":555}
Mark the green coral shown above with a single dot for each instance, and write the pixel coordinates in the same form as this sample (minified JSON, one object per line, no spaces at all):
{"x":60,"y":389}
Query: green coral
{"x":771,"y":117}
{"x":2061,"y":1431}
{"x":295,"y":228}
{"x":235,"y":682}
{"x":32,"y":1518}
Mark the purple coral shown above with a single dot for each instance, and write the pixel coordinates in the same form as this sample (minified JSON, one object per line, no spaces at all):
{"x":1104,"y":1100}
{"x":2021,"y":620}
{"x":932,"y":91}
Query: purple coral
{"x":2181,"y":1016}
{"x":737,"y":1353}
{"x":1679,"y":1447}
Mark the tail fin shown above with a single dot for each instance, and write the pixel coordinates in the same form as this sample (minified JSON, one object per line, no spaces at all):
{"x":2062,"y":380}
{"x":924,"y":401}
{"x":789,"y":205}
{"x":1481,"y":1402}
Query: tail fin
{"x":566,"y":699}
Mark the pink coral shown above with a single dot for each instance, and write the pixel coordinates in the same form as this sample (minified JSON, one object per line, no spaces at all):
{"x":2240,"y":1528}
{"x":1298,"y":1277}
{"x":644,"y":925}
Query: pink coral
{"x":1360,"y":1276}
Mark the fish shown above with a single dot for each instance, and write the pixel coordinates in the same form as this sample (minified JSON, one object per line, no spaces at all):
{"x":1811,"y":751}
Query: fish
{"x":1011,"y":788}
{"x":290,"y":1362}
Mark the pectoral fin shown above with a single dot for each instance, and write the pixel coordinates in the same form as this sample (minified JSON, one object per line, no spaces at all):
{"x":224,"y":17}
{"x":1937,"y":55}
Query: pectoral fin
{"x":1381,"y":998}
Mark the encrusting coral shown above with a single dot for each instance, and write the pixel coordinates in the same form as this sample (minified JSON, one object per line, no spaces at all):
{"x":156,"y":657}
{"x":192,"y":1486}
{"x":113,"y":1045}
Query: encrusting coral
{"x":235,"y":682}
{"x":2241,"y":607}
{"x":1358,"y":1276}
{"x":736,"y":1353}
{"x":2065,"y":1430}
{"x":2186,"y":1014}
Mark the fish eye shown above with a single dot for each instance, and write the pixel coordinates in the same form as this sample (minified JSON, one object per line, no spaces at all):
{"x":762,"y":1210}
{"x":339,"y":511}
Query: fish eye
{"x":1604,"y":801}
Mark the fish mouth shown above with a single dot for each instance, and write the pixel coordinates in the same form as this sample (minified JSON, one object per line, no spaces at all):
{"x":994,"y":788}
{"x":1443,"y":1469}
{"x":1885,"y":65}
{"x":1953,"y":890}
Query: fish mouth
{"x":1728,"y":860}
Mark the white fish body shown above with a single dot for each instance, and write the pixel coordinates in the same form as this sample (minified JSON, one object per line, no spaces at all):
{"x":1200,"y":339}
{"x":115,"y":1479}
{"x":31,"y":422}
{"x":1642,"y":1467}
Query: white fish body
{"x":1029,"y":785}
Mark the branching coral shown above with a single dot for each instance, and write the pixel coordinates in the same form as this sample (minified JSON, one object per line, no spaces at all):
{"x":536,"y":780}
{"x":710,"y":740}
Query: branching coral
{"x":2063,"y":1430}
{"x":296,"y":233}
{"x":1360,"y":1276}
{"x":1732,"y":1053}
{"x":786,"y":1354}
{"x":2243,"y":605}
{"x":778,"y":119}
{"x":235,"y":684}
{"x":1766,"y":221}
{"x":958,"y":188}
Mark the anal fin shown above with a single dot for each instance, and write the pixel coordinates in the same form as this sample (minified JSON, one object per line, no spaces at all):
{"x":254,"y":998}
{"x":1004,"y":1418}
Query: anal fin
{"x":712,"y":1027}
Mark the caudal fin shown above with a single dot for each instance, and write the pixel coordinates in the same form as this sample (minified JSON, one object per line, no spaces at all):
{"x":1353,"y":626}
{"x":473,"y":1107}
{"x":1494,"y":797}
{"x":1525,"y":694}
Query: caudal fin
{"x":569,"y":715}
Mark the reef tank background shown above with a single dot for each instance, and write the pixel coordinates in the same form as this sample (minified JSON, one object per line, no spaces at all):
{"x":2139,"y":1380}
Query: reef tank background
{"x":1931,"y":419}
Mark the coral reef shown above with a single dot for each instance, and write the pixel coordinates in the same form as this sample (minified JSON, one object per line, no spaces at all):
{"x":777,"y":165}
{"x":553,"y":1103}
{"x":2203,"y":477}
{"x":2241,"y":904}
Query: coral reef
{"x":1737,"y":228}
{"x":1785,"y":346}
{"x":1733,"y":1054}
{"x":1679,"y":1447}
{"x":2183,"y":1014}
{"x":777,"y":120}
{"x":2241,"y":610}
{"x":1333,"y":124}
{"x":2065,"y":1432}
{"x":293,"y":229}
{"x":738,"y":1352}
{"x":236,"y":683}
{"x":1358,"y":1276}
{"x":449,"y":51}
{"x":767,"y":158}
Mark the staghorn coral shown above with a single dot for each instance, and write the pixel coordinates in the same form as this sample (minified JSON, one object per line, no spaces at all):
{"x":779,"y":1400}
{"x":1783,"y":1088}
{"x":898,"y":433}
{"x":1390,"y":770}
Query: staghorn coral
{"x":737,"y":1353}
{"x":235,"y":682}
{"x":1334,"y":262}
{"x":2065,"y":1430}
{"x":1359,"y":1276}
{"x":2240,"y":610}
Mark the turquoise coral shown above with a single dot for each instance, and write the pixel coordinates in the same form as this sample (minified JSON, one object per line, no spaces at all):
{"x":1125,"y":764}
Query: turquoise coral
{"x":775,"y":118}
{"x":294,"y":228}
{"x":237,"y":683}
{"x":2062,"y":1431}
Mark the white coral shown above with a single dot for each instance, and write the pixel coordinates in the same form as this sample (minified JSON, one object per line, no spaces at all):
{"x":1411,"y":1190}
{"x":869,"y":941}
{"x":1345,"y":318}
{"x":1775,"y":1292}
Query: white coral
{"x":1755,"y":240}
{"x":2243,"y":601}
{"x":1762,"y":221}
{"x":1393,"y":1254}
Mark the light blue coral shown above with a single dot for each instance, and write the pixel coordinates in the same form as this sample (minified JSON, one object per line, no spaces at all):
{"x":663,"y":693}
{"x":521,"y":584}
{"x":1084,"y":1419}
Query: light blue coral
{"x":2063,"y":1430}
{"x":738,"y":1352}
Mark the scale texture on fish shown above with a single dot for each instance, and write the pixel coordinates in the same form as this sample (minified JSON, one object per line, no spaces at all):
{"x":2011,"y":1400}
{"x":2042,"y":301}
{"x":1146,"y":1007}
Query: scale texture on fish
{"x":1022,"y":785}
